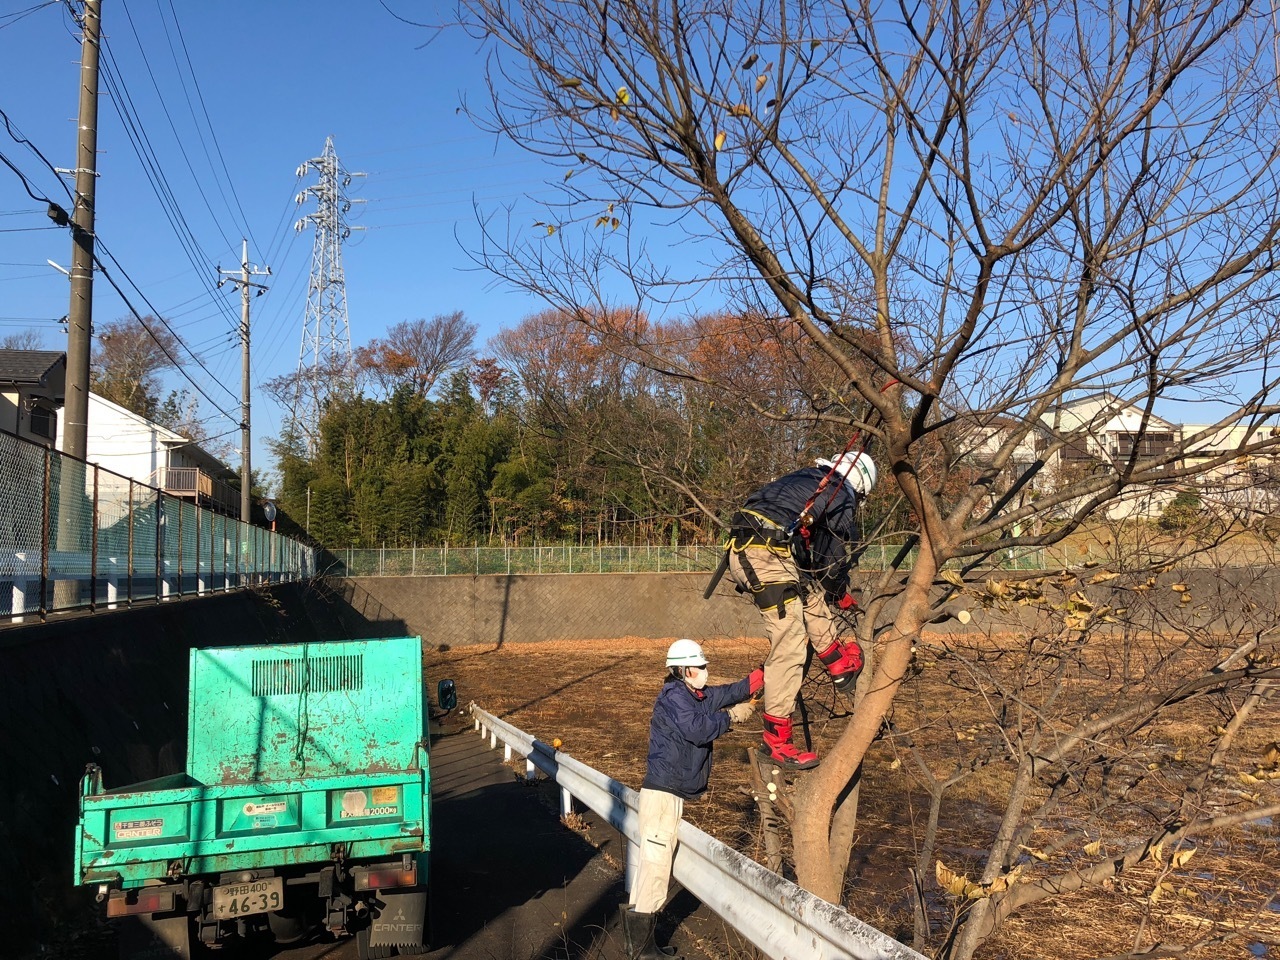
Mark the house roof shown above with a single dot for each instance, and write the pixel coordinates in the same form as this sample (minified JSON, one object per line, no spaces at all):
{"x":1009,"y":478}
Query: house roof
{"x":28,"y":366}
{"x":1105,"y":411}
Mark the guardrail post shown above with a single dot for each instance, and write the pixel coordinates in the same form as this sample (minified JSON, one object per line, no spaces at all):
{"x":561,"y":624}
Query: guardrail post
{"x":530,"y":768}
{"x":493,"y":739}
{"x":566,"y":802}
{"x":200,"y":585}
{"x":506,"y":753}
{"x":93,"y":547}
{"x":45,"y":520}
{"x":113,"y":585}
{"x":128,"y":576}
{"x":19,"y":606}
{"x":631,"y":867}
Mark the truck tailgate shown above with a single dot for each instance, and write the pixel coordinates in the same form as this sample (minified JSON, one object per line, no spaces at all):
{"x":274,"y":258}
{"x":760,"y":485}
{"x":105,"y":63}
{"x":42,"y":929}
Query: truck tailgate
{"x":132,"y":837}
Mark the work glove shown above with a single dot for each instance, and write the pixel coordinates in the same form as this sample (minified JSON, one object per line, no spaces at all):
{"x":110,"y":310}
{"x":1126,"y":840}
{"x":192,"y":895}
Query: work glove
{"x":756,"y":679}
{"x":847,"y":602}
{"x":742,"y":712}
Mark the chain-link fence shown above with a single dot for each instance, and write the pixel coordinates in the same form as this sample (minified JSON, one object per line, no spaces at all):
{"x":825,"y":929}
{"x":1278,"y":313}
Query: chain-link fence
{"x":76,"y":536}
{"x":591,"y":558}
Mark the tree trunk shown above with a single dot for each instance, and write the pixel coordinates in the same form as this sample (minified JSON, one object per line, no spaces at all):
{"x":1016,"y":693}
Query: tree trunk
{"x":820,"y":863}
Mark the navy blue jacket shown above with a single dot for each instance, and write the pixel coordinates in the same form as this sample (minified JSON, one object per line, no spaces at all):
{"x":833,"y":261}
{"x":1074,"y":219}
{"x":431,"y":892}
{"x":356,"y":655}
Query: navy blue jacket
{"x":823,"y":555}
{"x":684,"y":724}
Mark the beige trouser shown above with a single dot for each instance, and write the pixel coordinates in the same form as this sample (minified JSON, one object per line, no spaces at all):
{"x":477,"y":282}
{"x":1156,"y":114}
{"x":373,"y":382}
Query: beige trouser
{"x":659,"y":818}
{"x":805,"y":618}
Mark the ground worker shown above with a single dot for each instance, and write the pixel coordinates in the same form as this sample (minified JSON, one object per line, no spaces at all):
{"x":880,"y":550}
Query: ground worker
{"x":687,"y":717}
{"x":789,"y":549}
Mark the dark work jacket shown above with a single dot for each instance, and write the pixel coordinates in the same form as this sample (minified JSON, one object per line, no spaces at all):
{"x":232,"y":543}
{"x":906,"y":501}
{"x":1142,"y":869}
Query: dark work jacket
{"x":684,"y":723}
{"x":824,"y":554}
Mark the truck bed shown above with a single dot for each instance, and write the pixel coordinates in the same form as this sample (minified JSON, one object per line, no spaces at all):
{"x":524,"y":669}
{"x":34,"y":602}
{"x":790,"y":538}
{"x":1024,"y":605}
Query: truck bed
{"x":179,"y":826}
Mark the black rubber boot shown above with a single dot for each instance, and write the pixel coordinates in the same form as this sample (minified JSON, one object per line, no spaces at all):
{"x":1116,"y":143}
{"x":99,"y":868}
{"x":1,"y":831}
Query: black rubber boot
{"x":638,"y":931}
{"x":623,"y":910}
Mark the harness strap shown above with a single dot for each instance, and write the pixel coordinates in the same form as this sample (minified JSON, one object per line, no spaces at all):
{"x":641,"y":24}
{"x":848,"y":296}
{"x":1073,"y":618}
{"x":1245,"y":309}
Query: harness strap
{"x":767,"y":596}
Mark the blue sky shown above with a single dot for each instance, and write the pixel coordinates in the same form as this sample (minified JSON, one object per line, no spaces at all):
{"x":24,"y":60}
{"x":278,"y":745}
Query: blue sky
{"x":275,"y":80}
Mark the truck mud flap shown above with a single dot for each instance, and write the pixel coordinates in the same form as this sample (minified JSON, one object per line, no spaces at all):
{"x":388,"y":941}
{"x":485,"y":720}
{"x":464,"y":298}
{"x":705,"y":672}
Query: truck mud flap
{"x":154,"y":938}
{"x":401,"y":923}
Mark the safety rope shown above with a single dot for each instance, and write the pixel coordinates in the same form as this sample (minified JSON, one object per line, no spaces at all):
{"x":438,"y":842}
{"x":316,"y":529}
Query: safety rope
{"x":805,"y":517}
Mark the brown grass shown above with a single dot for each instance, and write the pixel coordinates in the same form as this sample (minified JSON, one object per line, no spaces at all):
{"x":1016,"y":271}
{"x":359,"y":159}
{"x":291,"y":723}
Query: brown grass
{"x":595,"y":696}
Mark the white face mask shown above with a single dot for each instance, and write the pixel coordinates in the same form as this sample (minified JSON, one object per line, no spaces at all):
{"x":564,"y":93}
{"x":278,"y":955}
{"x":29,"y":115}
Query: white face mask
{"x":699,"y":678}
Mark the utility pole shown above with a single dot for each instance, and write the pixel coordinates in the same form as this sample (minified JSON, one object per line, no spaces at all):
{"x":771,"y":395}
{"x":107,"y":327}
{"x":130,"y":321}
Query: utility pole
{"x":80,"y":315}
{"x":244,"y":283}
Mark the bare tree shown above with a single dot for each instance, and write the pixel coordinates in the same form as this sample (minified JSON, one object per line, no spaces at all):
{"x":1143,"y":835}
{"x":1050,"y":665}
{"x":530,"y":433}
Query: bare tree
{"x":973,"y":214}
{"x":22,"y":340}
{"x":127,"y":361}
{"x":418,"y":352}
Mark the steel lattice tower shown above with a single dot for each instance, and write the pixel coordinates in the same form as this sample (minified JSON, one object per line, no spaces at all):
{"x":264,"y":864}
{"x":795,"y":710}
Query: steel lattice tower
{"x":324,"y":360}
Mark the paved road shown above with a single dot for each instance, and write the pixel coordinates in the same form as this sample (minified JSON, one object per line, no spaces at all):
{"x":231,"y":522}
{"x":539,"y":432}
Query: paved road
{"x":510,"y":882}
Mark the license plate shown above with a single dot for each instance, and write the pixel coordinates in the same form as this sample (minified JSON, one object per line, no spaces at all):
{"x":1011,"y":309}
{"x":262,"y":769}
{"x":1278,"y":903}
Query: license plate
{"x":241,"y":899}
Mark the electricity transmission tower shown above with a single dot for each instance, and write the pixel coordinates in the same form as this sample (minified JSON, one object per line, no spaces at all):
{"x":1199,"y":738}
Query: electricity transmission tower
{"x":324,"y":361}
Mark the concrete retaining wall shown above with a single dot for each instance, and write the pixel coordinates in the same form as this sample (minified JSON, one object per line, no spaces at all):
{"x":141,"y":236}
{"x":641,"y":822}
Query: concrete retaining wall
{"x":494,"y":610}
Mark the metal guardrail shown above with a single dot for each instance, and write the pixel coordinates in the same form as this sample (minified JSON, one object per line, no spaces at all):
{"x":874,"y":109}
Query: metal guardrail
{"x":778,"y":917}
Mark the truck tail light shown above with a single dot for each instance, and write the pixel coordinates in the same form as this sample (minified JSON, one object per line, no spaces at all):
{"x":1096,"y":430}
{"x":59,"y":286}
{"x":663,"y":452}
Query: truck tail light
{"x":387,"y":878}
{"x":147,"y":900}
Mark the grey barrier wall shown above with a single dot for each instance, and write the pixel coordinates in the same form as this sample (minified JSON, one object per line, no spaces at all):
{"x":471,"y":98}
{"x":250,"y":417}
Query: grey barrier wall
{"x":526,"y":609}
{"x":459,"y":610}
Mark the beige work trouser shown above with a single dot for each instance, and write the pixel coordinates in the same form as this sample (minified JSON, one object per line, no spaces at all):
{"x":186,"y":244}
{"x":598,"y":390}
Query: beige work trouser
{"x":805,"y":618}
{"x":659,"y":818}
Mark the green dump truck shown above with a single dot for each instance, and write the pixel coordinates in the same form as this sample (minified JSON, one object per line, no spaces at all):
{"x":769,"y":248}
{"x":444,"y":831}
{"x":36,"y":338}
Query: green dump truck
{"x":304,"y":806}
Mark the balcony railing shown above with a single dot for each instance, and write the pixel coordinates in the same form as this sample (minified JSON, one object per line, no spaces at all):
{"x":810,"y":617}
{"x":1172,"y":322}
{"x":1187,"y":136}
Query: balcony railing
{"x":201,"y":488}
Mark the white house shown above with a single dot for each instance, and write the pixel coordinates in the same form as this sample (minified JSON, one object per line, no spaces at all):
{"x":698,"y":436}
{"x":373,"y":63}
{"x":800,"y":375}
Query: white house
{"x":133,"y":447}
{"x":1102,"y":428}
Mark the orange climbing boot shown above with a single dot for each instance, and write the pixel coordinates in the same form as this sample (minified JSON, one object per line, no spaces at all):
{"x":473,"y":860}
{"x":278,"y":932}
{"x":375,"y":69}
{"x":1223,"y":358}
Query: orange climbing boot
{"x":779,"y":749}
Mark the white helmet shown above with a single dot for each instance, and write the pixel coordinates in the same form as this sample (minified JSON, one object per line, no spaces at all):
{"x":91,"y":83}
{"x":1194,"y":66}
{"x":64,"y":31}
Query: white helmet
{"x":858,"y":470}
{"x":685,"y":653}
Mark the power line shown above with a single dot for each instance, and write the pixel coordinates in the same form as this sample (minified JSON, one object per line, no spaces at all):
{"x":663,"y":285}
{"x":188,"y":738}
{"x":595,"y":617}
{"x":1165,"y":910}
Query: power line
{"x":146,"y":62}
{"x":18,"y":136}
{"x":158,"y":342}
{"x":155,"y":175}
{"x":9,"y":19}
{"x":195,"y":82}
{"x":100,"y":245}
{"x":154,"y":312}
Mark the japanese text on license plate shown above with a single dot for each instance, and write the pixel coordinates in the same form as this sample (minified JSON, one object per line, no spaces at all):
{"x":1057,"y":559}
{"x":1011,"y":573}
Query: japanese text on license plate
{"x":240,"y":899}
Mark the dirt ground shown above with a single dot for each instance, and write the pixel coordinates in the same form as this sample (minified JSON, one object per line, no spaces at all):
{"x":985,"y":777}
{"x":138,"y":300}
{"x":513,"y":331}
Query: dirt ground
{"x":595,"y":697}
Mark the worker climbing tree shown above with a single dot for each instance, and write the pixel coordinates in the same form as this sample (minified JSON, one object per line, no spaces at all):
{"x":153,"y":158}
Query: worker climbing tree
{"x":789,"y":549}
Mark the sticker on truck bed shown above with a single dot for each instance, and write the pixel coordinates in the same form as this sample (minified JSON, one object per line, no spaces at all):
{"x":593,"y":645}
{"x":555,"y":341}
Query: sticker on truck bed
{"x":355,"y":803}
{"x":256,"y":814}
{"x":137,"y":829}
